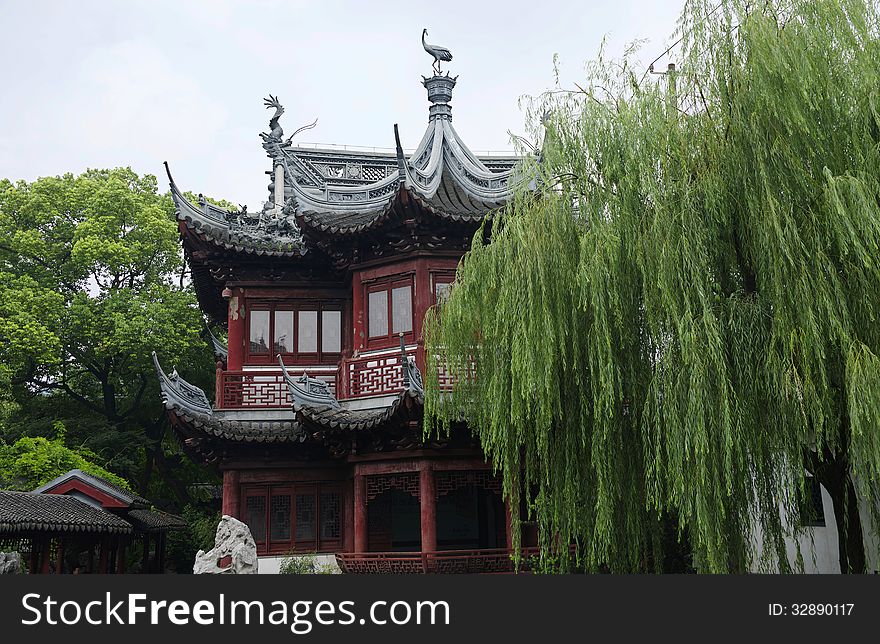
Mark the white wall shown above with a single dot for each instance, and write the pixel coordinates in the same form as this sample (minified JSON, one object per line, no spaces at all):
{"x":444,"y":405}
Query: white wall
{"x":818,"y":545}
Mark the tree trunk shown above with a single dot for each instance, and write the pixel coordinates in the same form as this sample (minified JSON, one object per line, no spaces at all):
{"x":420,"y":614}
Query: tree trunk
{"x":833,"y":474}
{"x":850,"y":543}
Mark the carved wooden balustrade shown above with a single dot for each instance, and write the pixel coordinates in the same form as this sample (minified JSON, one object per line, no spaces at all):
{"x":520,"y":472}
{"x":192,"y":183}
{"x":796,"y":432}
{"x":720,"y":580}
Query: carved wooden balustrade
{"x":260,"y":389}
{"x":441,"y":561}
{"x":376,"y":373}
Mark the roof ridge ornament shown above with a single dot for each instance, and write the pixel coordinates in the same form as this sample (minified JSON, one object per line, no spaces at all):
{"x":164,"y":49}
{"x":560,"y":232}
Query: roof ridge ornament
{"x":412,"y":377}
{"x":439,"y":53}
{"x":307,"y":391}
{"x":439,"y":95}
{"x":401,"y":157}
{"x":276,"y":132}
{"x":221,"y":350}
{"x":177,"y":392}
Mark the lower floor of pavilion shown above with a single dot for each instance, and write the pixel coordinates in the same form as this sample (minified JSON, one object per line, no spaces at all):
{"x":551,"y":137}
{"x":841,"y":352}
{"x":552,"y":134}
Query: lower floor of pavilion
{"x":407,"y":514}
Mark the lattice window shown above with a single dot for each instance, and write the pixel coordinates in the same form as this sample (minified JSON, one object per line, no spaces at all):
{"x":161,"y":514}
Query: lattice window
{"x":305,"y":517}
{"x":255,"y":517}
{"x":447,"y":482}
{"x":331,"y":515}
{"x":279,"y":517}
{"x":406,"y":482}
{"x":386,"y":190}
{"x":373,"y":172}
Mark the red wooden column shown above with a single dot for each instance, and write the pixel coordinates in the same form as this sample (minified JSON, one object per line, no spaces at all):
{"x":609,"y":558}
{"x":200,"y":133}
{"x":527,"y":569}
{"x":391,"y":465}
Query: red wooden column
{"x":422,"y":298}
{"x":360,"y":512}
{"x":105,"y":551}
{"x":359,"y":336}
{"x":59,"y":556}
{"x":44,"y":561}
{"x":121,"y":549}
{"x":231,"y":494}
{"x":236,"y":320}
{"x":348,"y":519}
{"x":428,"y":505}
{"x":34,"y":565}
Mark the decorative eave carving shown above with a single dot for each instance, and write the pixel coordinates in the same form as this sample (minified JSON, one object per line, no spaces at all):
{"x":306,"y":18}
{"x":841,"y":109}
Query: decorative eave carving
{"x":306,"y":391}
{"x":177,"y":393}
{"x":220,"y":349}
{"x":412,"y":377}
{"x":270,"y":232}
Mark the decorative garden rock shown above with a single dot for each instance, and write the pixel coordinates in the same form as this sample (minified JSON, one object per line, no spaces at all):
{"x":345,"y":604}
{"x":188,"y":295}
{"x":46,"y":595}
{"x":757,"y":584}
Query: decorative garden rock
{"x":10,"y":563}
{"x":234,"y":551}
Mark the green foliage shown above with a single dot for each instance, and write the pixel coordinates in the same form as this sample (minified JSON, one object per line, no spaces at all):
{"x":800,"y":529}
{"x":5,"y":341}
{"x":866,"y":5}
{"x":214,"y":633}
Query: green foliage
{"x":182,"y":545}
{"x":688,"y":312}
{"x":304,"y":564}
{"x":90,"y":284}
{"x":30,"y":462}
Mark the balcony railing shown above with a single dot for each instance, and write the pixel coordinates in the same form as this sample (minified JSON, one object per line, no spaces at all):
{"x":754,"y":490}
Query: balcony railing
{"x":441,"y":561}
{"x":376,"y":373}
{"x":261,"y":389}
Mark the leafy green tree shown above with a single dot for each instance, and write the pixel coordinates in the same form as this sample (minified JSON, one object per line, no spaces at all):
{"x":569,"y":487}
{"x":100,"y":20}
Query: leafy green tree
{"x":685,"y":318}
{"x":30,"y":462}
{"x":91,"y":283}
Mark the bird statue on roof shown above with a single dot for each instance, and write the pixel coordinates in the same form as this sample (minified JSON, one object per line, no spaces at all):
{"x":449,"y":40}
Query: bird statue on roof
{"x":439,"y":53}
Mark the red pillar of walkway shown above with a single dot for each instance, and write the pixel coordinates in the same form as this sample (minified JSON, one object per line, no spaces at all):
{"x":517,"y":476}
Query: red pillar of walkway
{"x":231,"y":494}
{"x":121,"y":548}
{"x":103,"y":557}
{"x":44,"y":562}
{"x":428,"y":504}
{"x":360,"y":513}
{"x":59,"y":556}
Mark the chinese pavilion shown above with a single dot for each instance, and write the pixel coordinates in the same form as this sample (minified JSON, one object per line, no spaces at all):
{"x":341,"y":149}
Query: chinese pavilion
{"x":316,"y":424}
{"x":79,"y":522}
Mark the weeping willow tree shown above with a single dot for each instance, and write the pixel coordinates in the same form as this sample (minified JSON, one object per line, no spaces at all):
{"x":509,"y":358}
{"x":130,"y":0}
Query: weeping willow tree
{"x":682,"y":320}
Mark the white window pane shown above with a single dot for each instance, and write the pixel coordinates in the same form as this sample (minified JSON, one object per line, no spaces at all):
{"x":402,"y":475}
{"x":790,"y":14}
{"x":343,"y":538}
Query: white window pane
{"x":378,"y":313}
{"x":401,"y":309}
{"x":283,"y":332}
{"x":441,"y":291}
{"x":259,"y":334}
{"x":331,"y":331}
{"x":308,"y":331}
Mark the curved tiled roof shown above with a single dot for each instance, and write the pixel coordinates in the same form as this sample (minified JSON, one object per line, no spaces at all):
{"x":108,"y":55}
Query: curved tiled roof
{"x":342,"y":419}
{"x":250,"y":234}
{"x":29,"y":511}
{"x":154,"y":520}
{"x":190,"y":404}
{"x":100,"y":483}
{"x":343,"y":192}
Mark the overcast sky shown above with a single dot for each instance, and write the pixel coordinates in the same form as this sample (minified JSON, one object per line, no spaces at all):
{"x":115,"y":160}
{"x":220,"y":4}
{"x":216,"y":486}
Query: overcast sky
{"x":104,"y":84}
